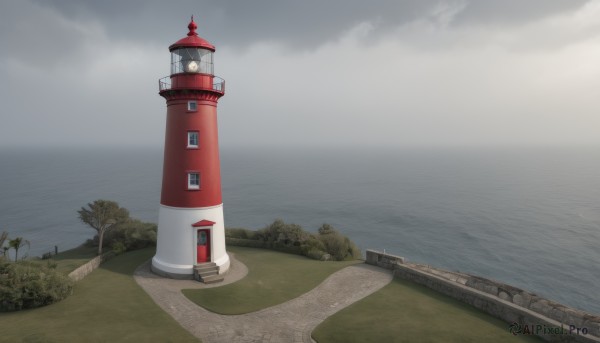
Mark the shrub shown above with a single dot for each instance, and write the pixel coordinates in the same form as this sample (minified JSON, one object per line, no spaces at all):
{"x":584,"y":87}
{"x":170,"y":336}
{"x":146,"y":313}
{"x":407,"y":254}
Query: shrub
{"x":27,"y":285}
{"x":240,"y":233}
{"x":326,"y":229}
{"x":251,"y":243}
{"x":291,"y":238}
{"x":119,"y":248}
{"x":286,"y":234}
{"x":318,"y":255}
{"x":353,"y":250}
{"x":312,"y":243}
{"x":335,"y":245}
{"x":132,"y":235}
{"x":338,"y":246}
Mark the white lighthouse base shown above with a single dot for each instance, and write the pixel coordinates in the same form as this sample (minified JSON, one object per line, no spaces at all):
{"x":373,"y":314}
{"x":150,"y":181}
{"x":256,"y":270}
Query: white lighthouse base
{"x":176,"y":252}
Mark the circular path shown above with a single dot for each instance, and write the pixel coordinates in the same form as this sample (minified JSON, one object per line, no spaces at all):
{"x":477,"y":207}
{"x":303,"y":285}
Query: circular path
{"x":292,"y":321}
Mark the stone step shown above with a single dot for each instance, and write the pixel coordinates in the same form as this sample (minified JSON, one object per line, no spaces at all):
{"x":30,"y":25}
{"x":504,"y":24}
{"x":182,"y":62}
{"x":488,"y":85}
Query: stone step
{"x":208,"y":273}
{"x":205,"y":265}
{"x":213,"y":279}
{"x":202,"y":269}
{"x":206,"y":270}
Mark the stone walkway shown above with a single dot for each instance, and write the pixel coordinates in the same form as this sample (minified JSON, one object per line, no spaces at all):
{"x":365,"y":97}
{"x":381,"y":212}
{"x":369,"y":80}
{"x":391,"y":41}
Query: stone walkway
{"x":292,"y":321}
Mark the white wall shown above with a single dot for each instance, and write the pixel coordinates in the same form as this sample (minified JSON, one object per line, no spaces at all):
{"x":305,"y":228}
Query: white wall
{"x":176,"y":242}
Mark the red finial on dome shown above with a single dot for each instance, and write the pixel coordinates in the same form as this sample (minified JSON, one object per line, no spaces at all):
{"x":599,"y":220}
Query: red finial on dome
{"x":192,"y":40}
{"x":192,"y":27}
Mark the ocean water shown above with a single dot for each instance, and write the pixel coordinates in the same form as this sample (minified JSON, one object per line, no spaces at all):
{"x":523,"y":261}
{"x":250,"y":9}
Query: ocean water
{"x":527,"y":217}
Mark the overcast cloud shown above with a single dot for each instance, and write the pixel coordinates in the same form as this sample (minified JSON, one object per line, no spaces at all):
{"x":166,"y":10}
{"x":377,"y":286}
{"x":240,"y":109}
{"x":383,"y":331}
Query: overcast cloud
{"x":307,"y":73}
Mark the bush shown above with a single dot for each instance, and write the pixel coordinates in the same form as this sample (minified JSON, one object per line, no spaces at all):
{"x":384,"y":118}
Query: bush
{"x":286,"y":234}
{"x":252,"y":243}
{"x":353,"y":251}
{"x":132,"y":235}
{"x":291,"y":238}
{"x":335,"y":245}
{"x":119,"y":248}
{"x":27,"y":285}
{"x":318,"y":255}
{"x":312,"y":243}
{"x":326,"y":229}
{"x":240,"y":233}
{"x":338,"y":246}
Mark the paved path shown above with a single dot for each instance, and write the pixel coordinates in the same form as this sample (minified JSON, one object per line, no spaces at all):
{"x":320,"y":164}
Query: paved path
{"x":292,"y":321}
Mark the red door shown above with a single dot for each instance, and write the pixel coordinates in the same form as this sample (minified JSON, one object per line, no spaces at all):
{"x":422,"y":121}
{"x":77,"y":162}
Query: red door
{"x":203,"y":246}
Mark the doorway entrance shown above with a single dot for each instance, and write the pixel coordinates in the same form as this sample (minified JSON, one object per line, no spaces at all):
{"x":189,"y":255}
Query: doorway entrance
{"x":203,"y":246}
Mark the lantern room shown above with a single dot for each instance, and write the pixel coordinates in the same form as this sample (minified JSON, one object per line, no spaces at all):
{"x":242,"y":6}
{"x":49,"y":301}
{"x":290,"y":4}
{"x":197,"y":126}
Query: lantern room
{"x":192,"y":54}
{"x":192,"y":60}
{"x":192,"y":65}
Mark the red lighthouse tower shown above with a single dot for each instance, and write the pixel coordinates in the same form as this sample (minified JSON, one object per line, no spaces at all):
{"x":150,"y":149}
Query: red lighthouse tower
{"x":190,"y":225}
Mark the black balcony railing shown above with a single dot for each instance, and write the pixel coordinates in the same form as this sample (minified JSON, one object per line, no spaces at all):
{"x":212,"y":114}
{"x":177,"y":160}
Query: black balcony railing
{"x":218,"y":85}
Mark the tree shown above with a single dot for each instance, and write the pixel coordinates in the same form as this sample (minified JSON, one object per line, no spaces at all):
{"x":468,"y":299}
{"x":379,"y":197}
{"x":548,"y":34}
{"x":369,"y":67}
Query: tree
{"x":18,"y":243}
{"x":3,"y":238}
{"x":101,"y":215}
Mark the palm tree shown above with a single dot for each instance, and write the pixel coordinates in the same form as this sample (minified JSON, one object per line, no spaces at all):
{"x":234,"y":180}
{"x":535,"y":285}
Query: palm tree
{"x":18,"y":243}
{"x":3,"y":238}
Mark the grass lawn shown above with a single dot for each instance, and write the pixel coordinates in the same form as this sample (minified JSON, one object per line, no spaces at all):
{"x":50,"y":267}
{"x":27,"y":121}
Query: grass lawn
{"x":67,"y":261}
{"x":406,"y":312}
{"x":107,"y":306}
{"x":273,"y":278}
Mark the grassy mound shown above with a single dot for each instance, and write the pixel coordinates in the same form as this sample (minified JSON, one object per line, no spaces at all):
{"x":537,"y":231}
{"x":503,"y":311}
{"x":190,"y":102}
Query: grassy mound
{"x":406,"y":312}
{"x":107,"y":306}
{"x":69,"y":260}
{"x":273,"y":278}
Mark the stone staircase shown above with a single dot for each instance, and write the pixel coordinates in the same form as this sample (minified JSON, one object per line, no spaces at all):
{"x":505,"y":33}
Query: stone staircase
{"x":207,"y":273}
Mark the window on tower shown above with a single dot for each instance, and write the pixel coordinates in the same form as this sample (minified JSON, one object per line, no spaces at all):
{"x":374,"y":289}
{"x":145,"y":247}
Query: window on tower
{"x":192,"y":106}
{"x":193,"y":180}
{"x":192,"y":60}
{"x":192,"y":139}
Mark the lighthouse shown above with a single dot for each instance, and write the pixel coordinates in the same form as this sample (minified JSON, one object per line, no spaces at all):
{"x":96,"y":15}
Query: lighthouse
{"x":191,"y":233}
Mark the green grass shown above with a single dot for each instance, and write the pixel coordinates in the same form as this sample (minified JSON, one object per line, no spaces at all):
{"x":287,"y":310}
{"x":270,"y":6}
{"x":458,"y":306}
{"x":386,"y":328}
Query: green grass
{"x":107,"y":306}
{"x":406,"y":312}
{"x":67,"y":261}
{"x":273,"y":278}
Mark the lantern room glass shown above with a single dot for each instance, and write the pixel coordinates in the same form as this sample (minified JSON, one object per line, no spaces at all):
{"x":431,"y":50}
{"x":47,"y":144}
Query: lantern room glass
{"x":192,"y":60}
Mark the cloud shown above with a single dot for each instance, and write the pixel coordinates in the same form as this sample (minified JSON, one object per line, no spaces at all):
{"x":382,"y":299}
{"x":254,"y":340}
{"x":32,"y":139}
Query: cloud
{"x":299,"y":25}
{"x":422,"y":73}
{"x":427,"y":84}
{"x":42,"y":38}
{"x":66,"y":83}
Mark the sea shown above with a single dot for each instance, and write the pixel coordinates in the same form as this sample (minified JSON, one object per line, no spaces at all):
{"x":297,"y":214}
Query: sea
{"x":529,"y":217}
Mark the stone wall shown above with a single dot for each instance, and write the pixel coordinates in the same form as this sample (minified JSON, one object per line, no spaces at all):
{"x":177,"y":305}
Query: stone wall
{"x":500,"y":300}
{"x":89,"y":267}
{"x":383,"y":260}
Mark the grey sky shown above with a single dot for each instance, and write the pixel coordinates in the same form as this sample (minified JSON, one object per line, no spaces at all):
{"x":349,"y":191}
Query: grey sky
{"x":307,"y":73}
